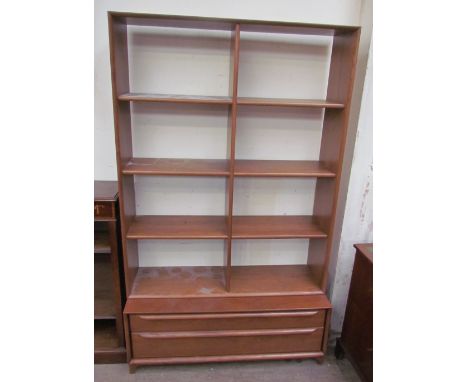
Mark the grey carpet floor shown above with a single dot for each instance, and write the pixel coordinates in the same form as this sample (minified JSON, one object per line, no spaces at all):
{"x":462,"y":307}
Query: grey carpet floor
{"x":272,"y":371}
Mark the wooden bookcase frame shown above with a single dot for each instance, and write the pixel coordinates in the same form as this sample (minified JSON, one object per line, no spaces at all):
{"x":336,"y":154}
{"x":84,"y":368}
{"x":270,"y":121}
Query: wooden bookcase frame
{"x":301,"y":286}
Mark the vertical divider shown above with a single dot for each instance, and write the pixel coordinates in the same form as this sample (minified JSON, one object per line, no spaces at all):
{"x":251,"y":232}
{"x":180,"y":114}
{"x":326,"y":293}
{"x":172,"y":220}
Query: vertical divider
{"x":232,"y":148}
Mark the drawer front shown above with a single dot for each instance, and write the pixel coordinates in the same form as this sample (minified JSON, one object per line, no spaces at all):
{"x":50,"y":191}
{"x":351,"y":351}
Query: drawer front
{"x":224,"y":343}
{"x":103,"y":210}
{"x":233,"y":321}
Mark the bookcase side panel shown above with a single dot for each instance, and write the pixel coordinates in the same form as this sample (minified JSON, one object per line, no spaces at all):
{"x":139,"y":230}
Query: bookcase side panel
{"x":123,"y":141}
{"x":335,"y":127}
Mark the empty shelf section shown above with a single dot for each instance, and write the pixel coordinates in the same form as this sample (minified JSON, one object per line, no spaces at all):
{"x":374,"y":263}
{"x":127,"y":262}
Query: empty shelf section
{"x":104,"y":297}
{"x":174,"y":98}
{"x":275,"y":227}
{"x":177,"y":227}
{"x":281,"y":168}
{"x":101,"y":242}
{"x":181,"y":167}
{"x":273,"y":280}
{"x":105,"y":335}
{"x":178,"y":282}
{"x":289,"y":102}
{"x":252,"y":280}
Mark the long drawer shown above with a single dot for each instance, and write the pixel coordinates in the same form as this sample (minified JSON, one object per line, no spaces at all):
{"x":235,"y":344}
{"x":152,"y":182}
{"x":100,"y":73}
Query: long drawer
{"x":227,"y":321}
{"x":227,"y":342}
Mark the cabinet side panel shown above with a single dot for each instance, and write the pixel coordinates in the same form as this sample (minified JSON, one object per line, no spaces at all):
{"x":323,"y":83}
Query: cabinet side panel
{"x":316,"y":258}
{"x":123,"y":140}
{"x":335,"y":127}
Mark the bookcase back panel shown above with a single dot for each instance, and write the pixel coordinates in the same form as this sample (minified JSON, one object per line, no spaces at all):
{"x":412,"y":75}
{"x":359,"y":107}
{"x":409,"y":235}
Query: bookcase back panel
{"x":171,"y":253}
{"x":179,"y":61}
{"x":164,"y":195}
{"x":278,"y":133}
{"x":270,"y":252}
{"x":180,"y":131}
{"x":283,"y":65}
{"x":274,"y":196}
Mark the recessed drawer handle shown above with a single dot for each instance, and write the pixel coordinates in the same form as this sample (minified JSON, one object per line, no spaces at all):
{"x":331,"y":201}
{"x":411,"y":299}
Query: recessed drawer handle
{"x":227,"y":315}
{"x":226,"y":333}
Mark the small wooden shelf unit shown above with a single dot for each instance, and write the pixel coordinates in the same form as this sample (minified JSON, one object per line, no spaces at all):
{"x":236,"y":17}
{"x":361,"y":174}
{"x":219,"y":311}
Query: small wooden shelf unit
{"x":109,"y":346}
{"x":356,"y":341}
{"x":230,"y":313}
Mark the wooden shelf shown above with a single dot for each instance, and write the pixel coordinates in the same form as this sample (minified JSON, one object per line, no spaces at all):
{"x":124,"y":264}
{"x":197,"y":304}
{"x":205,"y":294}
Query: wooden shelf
{"x":281,"y":168}
{"x":220,"y":167}
{"x":275,"y":227}
{"x":174,"y":98}
{"x":105,"y":335}
{"x":182,"y":167}
{"x":107,"y":348}
{"x":214,"y":227}
{"x":178,"y":281}
{"x":104,"y":298}
{"x":178,"y":227}
{"x":289,"y":102}
{"x":258,"y":280}
{"x":222,"y":100}
{"x":273,"y":280}
{"x":101,"y":242}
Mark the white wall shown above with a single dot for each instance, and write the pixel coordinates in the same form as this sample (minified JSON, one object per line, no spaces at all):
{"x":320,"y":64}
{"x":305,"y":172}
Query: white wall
{"x":204,"y":129}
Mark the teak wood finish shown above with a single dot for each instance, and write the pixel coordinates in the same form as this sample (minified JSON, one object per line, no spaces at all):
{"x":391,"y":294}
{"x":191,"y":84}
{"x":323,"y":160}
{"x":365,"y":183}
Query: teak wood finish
{"x":109,"y":345}
{"x":356,"y":339}
{"x":230,"y":313}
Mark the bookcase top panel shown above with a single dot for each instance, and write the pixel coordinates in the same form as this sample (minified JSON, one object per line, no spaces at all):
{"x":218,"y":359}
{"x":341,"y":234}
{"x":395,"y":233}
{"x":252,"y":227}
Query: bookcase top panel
{"x":174,"y":21}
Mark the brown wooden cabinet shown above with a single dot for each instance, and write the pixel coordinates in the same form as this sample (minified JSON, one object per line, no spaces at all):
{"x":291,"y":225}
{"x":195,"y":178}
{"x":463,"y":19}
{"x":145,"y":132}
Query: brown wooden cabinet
{"x":357,"y":336}
{"x":229,"y":312}
{"x":108,"y":292}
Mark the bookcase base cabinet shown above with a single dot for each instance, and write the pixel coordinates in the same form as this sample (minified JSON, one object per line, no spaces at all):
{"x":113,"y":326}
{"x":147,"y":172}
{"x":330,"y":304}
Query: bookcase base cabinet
{"x":177,"y":338}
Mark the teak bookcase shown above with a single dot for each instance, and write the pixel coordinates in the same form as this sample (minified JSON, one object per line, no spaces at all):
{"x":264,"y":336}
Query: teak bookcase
{"x":230,"y":313}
